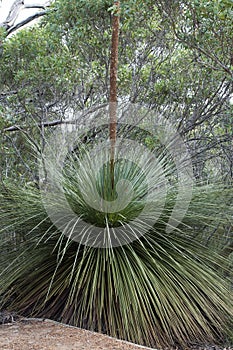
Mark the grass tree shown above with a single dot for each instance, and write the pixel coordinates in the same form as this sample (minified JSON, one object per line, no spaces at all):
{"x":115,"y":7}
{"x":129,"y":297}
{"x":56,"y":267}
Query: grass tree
{"x":113,"y":83}
{"x":159,"y":288}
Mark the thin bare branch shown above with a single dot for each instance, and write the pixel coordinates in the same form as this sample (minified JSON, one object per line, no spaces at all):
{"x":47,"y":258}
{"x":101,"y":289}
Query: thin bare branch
{"x":14,"y":12}
{"x":26,"y":21}
{"x":57,"y":121}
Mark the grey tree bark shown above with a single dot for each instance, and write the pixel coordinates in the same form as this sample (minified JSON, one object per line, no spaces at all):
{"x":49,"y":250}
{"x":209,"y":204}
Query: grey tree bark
{"x":17,"y":7}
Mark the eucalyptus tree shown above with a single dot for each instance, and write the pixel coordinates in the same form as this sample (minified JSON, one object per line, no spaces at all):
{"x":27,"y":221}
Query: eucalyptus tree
{"x":173,"y":57}
{"x":203,"y":32}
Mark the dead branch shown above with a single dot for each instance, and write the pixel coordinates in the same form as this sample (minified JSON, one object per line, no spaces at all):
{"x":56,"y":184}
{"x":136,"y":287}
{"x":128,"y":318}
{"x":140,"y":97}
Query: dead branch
{"x":16,"y":8}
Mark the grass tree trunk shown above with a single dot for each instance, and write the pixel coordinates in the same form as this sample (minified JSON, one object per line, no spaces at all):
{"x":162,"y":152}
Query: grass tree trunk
{"x":113,"y":85}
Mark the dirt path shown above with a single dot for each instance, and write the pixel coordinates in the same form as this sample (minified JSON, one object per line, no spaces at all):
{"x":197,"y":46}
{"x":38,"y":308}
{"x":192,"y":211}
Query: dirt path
{"x":36,"y":334}
{"x":48,"y":335}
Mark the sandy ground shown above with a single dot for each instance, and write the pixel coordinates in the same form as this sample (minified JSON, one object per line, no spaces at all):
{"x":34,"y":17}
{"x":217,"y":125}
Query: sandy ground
{"x":48,"y":335}
{"x":38,"y":334}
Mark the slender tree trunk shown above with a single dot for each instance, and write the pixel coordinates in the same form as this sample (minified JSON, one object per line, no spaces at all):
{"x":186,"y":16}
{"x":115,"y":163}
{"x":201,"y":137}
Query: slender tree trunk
{"x":113,"y":86}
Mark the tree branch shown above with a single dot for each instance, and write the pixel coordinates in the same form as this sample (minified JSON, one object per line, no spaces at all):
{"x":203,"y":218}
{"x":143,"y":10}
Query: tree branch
{"x":45,"y":124}
{"x":14,"y":12}
{"x":35,"y":7}
{"x":26,"y":21}
{"x":55,"y":122}
{"x":16,"y":7}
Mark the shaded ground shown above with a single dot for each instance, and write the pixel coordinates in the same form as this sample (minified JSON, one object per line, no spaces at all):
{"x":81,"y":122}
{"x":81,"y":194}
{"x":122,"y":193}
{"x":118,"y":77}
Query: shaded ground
{"x":36,"y":334}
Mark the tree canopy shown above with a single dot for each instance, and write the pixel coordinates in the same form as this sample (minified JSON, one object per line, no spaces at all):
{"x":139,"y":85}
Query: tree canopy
{"x":175,"y":57}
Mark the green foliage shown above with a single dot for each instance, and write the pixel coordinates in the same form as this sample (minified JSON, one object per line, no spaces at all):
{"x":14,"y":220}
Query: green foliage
{"x":2,"y":34}
{"x":33,"y":61}
{"x":80,"y":180}
{"x":158,"y":290}
{"x":205,"y":27}
{"x":175,"y":57}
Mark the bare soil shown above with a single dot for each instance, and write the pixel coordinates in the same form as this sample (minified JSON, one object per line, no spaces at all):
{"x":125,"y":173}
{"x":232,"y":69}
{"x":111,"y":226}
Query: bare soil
{"x":40,"y":334}
{"x":49,"y":335}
